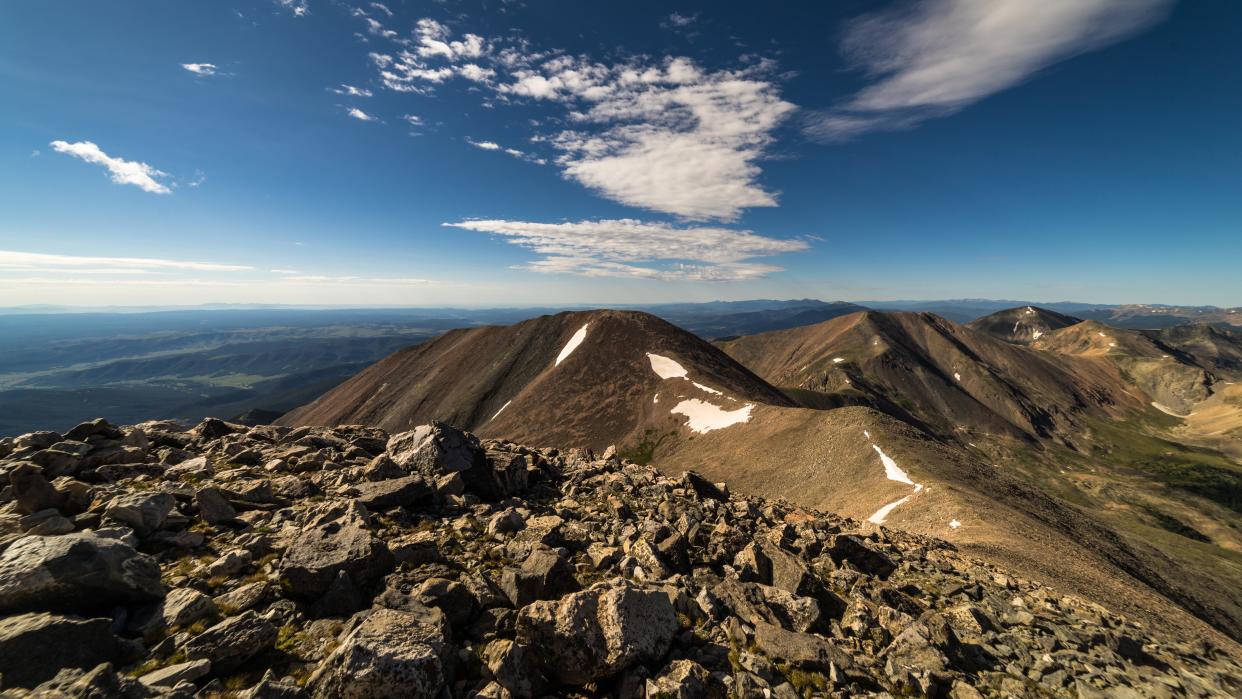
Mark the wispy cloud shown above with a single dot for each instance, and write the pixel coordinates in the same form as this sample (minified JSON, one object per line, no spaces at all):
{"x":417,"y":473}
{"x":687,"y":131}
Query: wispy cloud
{"x":299,"y":8}
{"x":11,"y":260}
{"x":631,"y":248}
{"x":679,"y":20}
{"x":660,"y":134}
{"x":203,"y":69}
{"x":939,"y":56}
{"x":122,"y":171}
{"x":519,"y":154}
{"x":351,"y":91}
{"x":485,"y":145}
{"x":360,"y":115}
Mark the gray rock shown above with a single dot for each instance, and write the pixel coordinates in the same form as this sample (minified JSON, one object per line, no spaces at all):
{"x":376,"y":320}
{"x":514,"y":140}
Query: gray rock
{"x":390,"y":654}
{"x":512,"y":668}
{"x":75,"y":572}
{"x":397,"y":492}
{"x":232,"y":642}
{"x":597,"y":633}
{"x":213,"y":506}
{"x":35,"y":647}
{"x":32,"y":491}
{"x":173,"y":674}
{"x":757,"y":603}
{"x":144,"y":512}
{"x":681,"y":679}
{"x":312,"y":562}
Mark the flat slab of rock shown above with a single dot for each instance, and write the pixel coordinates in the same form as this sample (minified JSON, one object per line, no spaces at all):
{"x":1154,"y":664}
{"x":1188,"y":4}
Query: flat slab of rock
{"x":75,"y":572}
{"x":233,"y":641}
{"x":314,"y":559}
{"x":35,"y":647}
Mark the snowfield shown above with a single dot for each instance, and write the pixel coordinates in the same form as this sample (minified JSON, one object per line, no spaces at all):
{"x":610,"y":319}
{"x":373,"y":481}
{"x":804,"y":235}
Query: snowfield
{"x":572,"y":344}
{"x":705,"y":417}
{"x":666,"y":368}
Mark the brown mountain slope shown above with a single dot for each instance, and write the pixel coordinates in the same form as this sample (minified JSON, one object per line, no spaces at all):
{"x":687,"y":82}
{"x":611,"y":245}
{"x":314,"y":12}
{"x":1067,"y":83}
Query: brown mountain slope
{"x":1171,"y":378}
{"x":507,"y":381}
{"x":953,"y":379}
{"x":1022,"y":325}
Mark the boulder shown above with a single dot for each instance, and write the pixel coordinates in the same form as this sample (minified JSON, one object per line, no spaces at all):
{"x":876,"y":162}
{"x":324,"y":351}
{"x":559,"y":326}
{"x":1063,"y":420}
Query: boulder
{"x":343,"y":545}
{"x":75,"y":572}
{"x":756,"y":603}
{"x":100,"y":682}
{"x":598,"y":632}
{"x":849,"y":547}
{"x":32,"y":491}
{"x":173,"y":674}
{"x":397,"y":492}
{"x":438,"y":450}
{"x":98,"y":427}
{"x":681,"y":679}
{"x":144,"y":512}
{"x":390,"y":654}
{"x":232,"y":642}
{"x":213,"y":506}
{"x":35,"y":647}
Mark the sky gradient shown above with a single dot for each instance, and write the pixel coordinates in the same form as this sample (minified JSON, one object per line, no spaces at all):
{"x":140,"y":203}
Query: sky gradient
{"x":512,"y":153}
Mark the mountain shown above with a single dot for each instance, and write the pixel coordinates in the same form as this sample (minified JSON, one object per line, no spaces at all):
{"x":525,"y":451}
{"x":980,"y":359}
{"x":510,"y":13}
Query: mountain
{"x":950,"y":378}
{"x":586,"y":379}
{"x":721,"y":320}
{"x":271,"y":561}
{"x":1022,"y":325}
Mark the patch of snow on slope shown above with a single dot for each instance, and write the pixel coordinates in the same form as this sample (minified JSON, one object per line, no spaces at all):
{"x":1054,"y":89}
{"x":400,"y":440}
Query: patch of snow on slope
{"x":502,"y":409}
{"x":705,"y":417}
{"x":868,"y":434}
{"x":838,"y":360}
{"x":1037,"y":334}
{"x":892,"y":471}
{"x":954,"y":524}
{"x":709,"y":389}
{"x":572,"y":344}
{"x":1168,"y":411}
{"x":882,"y":513}
{"x":957,"y":376}
{"x":666,"y":368}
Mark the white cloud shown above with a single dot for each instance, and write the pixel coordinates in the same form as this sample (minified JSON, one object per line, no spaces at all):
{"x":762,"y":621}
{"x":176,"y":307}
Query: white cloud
{"x":299,"y":8}
{"x":628,"y":248}
{"x":493,"y":146}
{"x":382,"y":8}
{"x":485,"y":145}
{"x":939,"y":56}
{"x":41,"y":262}
{"x":284,"y":271}
{"x":122,"y":171}
{"x":203,"y":69}
{"x":360,"y":115}
{"x":351,"y":91}
{"x":664,"y":135}
{"x":680,"y":20}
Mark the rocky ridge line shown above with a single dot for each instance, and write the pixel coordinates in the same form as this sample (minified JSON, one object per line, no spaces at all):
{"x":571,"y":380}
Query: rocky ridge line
{"x":220,"y":560}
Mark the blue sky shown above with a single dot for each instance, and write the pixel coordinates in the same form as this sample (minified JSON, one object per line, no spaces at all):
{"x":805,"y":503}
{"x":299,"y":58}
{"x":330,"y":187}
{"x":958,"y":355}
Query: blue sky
{"x":430,"y":153}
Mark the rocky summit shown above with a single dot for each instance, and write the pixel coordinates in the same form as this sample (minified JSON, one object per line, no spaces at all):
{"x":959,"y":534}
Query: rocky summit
{"x":161,"y":560}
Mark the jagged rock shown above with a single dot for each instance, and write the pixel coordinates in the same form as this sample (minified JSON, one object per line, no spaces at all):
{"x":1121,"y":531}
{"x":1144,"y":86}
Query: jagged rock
{"x":98,"y":427}
{"x":144,"y":512}
{"x":390,"y":654}
{"x":450,"y":597}
{"x":801,"y":650}
{"x":545,"y":574}
{"x":75,"y":572}
{"x":213,"y":428}
{"x":213,"y":506}
{"x":396,"y":492}
{"x":101,"y":682}
{"x":512,"y":668}
{"x":344,"y":545}
{"x":232,"y":642}
{"x":852,"y":548}
{"x":598,"y":632}
{"x":32,"y":491}
{"x":35,"y":647}
{"x":437,"y":450}
{"x":682,"y":679}
{"x":172,"y":675}
{"x":758,"y":603}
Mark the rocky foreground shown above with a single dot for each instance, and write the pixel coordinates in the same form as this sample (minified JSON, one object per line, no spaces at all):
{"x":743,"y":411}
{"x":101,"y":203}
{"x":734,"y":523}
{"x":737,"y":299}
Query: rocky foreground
{"x":163,"y":561}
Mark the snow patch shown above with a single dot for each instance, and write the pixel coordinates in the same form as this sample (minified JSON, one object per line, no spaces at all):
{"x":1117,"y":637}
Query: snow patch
{"x":892,"y":471}
{"x":838,"y":360}
{"x":705,"y":417}
{"x":883,"y":513}
{"x":655,"y":398}
{"x":666,"y":368}
{"x":502,"y":409}
{"x":868,"y":434}
{"x":954,"y":524}
{"x":1037,"y":334}
{"x":709,"y":389}
{"x":572,"y":345}
{"x":957,"y":376}
{"x":1029,"y":310}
